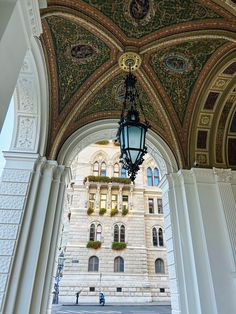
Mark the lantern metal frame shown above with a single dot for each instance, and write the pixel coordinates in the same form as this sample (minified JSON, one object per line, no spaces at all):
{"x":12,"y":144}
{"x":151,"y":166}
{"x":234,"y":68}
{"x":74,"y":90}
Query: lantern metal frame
{"x":130,"y":119}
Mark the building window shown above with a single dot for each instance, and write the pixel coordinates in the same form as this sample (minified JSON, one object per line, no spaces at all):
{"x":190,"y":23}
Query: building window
{"x":92,"y":200}
{"x":91,"y":289}
{"x":159,"y":266}
{"x":93,"y":264}
{"x":160,"y":237}
{"x":156,"y":177}
{"x":119,"y":233}
{"x":162,"y":290}
{"x":151,"y":206}
{"x":95,"y":232}
{"x":154,"y":237}
{"x":159,"y":206}
{"x":118,"y":289}
{"x":123,"y":172}
{"x":116,"y":170}
{"x":114,"y":201}
{"x":119,"y":265}
{"x":125,"y":201}
{"x":92,"y":232}
{"x":98,"y":233}
{"x":116,"y":233}
{"x":103,"y":201}
{"x":149,"y":177}
{"x":103,"y":169}
{"x":95,"y":169}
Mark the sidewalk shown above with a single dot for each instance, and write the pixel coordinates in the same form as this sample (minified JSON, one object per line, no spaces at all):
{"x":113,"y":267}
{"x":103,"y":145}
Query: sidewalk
{"x":118,"y":304}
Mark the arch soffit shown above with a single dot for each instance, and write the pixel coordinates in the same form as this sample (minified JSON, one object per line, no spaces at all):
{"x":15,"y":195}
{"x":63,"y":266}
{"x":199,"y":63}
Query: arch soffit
{"x":147,"y":45}
{"x":31,"y":98}
{"x":217,"y":103}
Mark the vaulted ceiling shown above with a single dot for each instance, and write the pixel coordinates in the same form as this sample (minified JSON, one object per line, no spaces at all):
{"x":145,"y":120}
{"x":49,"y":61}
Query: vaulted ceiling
{"x":187,"y":78}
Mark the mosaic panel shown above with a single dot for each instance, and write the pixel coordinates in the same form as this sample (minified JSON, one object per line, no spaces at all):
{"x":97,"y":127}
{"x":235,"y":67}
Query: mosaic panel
{"x":178,"y":68}
{"x":137,"y":18}
{"x":112,"y":94}
{"x":78,"y":52}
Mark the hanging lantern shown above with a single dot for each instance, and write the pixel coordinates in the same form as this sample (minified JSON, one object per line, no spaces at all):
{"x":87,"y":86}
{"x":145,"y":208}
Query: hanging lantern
{"x":132,"y":133}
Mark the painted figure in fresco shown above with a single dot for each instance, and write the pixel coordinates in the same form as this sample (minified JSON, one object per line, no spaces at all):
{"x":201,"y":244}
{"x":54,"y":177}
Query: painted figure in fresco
{"x":139,"y":8}
{"x":82,"y":51}
{"x":176,"y":63}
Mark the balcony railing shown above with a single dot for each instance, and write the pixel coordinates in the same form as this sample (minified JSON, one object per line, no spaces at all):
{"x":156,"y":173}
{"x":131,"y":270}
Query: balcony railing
{"x":104,"y":179}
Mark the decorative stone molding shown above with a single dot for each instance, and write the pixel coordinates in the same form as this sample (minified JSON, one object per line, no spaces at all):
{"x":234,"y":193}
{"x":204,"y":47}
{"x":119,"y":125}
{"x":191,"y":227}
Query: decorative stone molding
{"x":26,"y":132}
{"x":34,"y":17}
{"x":223,"y":175}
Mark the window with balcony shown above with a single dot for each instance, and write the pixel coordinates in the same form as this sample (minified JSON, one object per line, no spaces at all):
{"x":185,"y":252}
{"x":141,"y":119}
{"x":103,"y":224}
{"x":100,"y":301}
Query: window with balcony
{"x":123,"y":172}
{"x":114,"y":198}
{"x":125,"y":201}
{"x":96,"y":169}
{"x":156,"y":177}
{"x":119,"y":233}
{"x":92,"y":200}
{"x":95,"y":232}
{"x":149,"y":177}
{"x":103,"y":201}
{"x":103,"y":169}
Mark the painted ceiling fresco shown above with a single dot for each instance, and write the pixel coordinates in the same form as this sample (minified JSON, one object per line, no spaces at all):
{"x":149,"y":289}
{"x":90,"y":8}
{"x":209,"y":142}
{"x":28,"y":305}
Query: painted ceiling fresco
{"x":137,"y":18}
{"x":185,"y":46}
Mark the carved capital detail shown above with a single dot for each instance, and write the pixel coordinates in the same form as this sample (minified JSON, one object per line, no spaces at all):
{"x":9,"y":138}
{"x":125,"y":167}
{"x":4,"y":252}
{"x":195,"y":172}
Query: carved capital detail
{"x":223,"y":175}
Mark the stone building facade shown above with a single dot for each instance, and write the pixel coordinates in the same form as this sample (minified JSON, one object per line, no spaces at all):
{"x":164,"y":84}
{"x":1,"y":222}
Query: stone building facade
{"x":135,"y":273}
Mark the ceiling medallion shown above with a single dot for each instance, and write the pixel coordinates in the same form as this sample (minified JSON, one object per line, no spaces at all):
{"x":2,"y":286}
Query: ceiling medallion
{"x":139,"y":12}
{"x":81,"y":52}
{"x":129,"y":61}
{"x":176,"y":63}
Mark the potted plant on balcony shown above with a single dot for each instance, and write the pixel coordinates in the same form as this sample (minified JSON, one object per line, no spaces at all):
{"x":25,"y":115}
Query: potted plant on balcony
{"x":90,"y":211}
{"x":114,"y":211}
{"x":94,"y":244}
{"x":119,"y":245}
{"x":125,"y":211}
{"x":102,"y":211}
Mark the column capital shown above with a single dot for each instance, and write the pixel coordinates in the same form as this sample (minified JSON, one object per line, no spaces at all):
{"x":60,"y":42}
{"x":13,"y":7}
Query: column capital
{"x":222,"y":175}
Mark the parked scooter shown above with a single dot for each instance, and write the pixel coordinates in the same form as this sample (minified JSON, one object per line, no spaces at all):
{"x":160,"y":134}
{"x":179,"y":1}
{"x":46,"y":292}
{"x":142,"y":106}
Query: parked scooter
{"x":101,"y":298}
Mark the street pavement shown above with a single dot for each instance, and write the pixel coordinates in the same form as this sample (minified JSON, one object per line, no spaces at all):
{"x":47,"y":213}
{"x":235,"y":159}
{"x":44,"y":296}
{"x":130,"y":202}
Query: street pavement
{"x":112,"y":309}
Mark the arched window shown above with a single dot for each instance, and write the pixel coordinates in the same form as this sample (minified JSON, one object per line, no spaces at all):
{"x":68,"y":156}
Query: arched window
{"x":118,"y":265}
{"x":149,"y":176}
{"x":160,"y":237}
{"x":103,"y":169}
{"x":119,"y":233}
{"x":159,"y":266}
{"x":92,"y":232}
{"x":154,"y":237}
{"x":116,"y":233}
{"x":93,"y":264}
{"x":116,"y":170}
{"x":99,"y":233}
{"x":95,"y":232}
{"x":123,"y":172}
{"x":95,"y":169}
{"x":122,"y":233}
{"x":156,"y":176}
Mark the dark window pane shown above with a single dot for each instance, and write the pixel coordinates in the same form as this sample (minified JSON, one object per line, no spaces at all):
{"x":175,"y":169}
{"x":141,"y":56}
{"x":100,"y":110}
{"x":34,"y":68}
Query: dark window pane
{"x":156,"y":177}
{"x":93,"y":263}
{"x":116,"y":233}
{"x":154,"y":237}
{"x":159,"y":206}
{"x":160,"y":237}
{"x":159,"y":266}
{"x":151,"y":206}
{"x":122,"y":233}
{"x":119,"y":265}
{"x":149,"y":177}
{"x":92,"y":233}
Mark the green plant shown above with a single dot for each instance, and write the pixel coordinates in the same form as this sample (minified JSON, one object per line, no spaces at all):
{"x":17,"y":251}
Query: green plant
{"x":121,"y":180}
{"x":119,"y":245}
{"x":104,"y":142}
{"x":125,"y":211}
{"x":90,"y":210}
{"x":97,"y":179}
{"x":94,"y":244}
{"x":114,"y":211}
{"x":102,"y":211}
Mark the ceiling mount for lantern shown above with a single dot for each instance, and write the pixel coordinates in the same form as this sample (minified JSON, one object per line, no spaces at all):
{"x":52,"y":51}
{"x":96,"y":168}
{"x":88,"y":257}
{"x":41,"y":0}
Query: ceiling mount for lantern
{"x":131,"y":133}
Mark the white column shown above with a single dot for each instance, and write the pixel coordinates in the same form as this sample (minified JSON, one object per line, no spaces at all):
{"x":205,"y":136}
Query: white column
{"x":41,"y":184}
{"x":200,"y":242}
{"x":19,"y":22}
